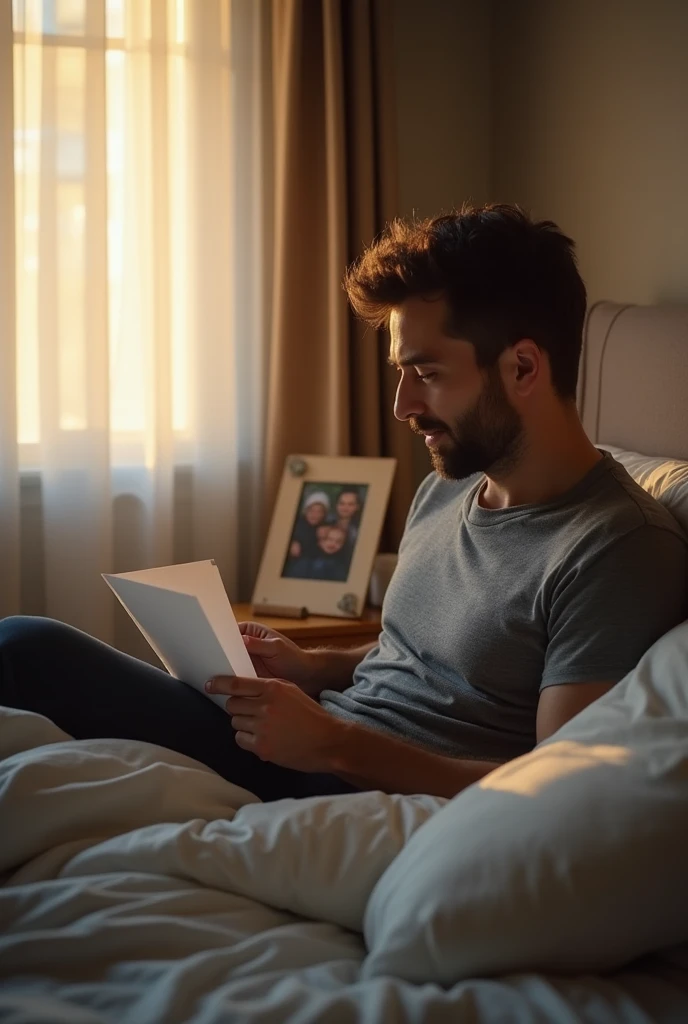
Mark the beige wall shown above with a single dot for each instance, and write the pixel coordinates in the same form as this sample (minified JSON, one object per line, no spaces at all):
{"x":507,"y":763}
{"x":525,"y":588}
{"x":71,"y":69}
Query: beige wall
{"x":577,"y":109}
{"x":443,"y":83}
{"x":590,"y":128}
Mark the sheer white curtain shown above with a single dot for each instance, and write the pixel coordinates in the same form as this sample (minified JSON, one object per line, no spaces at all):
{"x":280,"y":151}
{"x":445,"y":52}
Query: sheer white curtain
{"x":133,"y":305}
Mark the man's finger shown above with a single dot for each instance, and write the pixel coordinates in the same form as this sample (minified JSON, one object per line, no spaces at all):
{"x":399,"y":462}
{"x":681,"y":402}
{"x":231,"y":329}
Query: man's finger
{"x":236,"y":686}
{"x":261,"y":647}
{"x":245,"y":706}
{"x":241,"y":723}
{"x":251,"y":628}
{"x":245,"y":740}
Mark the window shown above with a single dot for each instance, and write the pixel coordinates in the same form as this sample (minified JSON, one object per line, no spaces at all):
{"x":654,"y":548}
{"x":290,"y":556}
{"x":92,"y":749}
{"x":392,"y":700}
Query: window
{"x":102,"y":208}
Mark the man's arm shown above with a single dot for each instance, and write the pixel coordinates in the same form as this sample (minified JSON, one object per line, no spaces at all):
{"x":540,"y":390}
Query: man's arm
{"x":333,"y":668}
{"x":558,"y":704}
{"x":280,"y":723}
{"x":374,"y":760}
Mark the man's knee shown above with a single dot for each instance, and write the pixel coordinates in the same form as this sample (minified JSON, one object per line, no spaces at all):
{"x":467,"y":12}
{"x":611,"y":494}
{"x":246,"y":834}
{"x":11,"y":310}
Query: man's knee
{"x":24,"y":632}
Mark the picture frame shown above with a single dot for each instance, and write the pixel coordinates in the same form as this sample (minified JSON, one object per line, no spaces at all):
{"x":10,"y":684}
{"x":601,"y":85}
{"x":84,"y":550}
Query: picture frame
{"x":324,"y":536}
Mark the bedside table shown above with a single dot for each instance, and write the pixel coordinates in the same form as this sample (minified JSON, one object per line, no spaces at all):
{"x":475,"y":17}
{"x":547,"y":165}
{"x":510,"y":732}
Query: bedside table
{"x":319,"y":630}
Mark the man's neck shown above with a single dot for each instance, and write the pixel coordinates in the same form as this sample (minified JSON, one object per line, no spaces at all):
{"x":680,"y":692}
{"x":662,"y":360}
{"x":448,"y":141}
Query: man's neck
{"x":551,"y":462}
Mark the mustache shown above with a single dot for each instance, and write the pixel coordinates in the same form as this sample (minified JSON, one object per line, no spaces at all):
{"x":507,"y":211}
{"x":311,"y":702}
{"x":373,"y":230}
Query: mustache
{"x":420,"y":425}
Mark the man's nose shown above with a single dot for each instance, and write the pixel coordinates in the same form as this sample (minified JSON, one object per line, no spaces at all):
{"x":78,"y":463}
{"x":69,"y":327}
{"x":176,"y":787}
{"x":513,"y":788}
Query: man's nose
{"x":408,"y":402}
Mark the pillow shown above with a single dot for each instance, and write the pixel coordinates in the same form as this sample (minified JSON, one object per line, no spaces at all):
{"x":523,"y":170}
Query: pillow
{"x":665,"y":479}
{"x":571,"y":858}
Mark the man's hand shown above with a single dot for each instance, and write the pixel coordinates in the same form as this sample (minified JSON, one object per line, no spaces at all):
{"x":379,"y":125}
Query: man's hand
{"x":276,"y":657}
{"x":277,"y":721}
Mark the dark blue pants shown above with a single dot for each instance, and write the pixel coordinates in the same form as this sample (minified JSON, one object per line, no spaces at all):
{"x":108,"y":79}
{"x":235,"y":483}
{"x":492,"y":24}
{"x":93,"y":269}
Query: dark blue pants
{"x":91,"y":690}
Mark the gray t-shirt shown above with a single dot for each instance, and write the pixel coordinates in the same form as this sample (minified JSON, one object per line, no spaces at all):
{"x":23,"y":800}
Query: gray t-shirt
{"x":489,"y":606}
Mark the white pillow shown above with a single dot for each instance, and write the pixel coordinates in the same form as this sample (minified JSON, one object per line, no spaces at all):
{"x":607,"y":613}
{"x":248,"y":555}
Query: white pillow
{"x":665,"y":479}
{"x":571,"y":858}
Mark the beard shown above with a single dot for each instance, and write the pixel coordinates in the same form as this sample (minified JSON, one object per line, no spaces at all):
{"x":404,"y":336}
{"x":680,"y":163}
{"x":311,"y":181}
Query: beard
{"x":486,"y":439}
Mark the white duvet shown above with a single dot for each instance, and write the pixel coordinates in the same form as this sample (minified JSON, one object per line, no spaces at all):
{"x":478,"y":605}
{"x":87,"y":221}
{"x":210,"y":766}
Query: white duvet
{"x":138,"y":886}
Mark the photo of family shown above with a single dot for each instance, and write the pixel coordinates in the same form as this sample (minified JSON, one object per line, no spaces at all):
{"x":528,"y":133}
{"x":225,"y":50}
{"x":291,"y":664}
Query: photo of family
{"x":325,"y":531}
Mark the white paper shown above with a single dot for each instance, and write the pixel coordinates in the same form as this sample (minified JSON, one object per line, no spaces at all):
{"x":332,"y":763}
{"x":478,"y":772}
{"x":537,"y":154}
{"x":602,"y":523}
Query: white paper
{"x":185,"y":615}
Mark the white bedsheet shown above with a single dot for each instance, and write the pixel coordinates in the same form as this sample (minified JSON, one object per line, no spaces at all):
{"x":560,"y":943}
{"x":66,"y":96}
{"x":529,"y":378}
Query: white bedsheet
{"x":140,"y":887}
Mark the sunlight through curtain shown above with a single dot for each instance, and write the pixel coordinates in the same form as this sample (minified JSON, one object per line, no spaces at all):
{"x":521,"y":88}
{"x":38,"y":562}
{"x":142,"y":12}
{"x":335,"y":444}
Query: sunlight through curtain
{"x":133,"y":357}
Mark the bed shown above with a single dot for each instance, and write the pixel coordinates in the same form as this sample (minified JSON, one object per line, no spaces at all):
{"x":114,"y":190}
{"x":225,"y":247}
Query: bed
{"x":138,"y":886}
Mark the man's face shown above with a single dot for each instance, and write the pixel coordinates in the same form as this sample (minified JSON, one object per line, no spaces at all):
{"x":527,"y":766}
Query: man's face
{"x":333,"y":541}
{"x":315,"y":513}
{"x":347,"y":505}
{"x":468,"y":422}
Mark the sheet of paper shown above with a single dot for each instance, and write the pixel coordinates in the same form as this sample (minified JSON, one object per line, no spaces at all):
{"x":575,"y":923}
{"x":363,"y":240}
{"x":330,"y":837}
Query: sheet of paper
{"x":185,"y":614}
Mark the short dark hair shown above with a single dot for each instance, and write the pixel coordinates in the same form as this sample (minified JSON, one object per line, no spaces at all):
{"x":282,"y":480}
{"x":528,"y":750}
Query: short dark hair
{"x":504,"y":276}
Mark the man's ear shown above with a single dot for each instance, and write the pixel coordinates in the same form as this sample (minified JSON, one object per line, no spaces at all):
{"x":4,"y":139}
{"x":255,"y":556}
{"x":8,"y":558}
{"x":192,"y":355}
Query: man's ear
{"x":523,"y":365}
{"x":526,"y":365}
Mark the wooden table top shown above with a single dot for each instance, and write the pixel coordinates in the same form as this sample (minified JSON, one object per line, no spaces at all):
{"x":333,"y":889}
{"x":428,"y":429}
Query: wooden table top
{"x":315,"y":625}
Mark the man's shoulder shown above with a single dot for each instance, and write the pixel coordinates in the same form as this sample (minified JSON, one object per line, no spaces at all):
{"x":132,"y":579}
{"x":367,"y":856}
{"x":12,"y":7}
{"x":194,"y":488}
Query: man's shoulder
{"x":617,"y":506}
{"x":616,"y":519}
{"x":647,"y":510}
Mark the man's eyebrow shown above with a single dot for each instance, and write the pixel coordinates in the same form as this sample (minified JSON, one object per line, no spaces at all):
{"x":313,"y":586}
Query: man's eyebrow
{"x":415,"y":359}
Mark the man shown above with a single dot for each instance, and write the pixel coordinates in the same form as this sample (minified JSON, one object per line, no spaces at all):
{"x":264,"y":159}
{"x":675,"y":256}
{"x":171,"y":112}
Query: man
{"x":532,"y":575}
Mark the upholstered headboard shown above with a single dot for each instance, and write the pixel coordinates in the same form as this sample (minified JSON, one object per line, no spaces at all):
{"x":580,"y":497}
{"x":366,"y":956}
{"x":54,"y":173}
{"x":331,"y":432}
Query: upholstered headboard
{"x":633,"y":384}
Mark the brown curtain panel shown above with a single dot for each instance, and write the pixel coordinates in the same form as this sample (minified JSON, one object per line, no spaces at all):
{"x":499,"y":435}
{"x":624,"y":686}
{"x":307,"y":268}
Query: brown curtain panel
{"x":331,"y":391}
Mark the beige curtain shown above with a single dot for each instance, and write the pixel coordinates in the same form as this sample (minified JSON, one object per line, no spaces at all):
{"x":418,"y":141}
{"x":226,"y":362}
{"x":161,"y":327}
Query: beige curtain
{"x":132,"y":363}
{"x":330,"y":390}
{"x":190,"y":180}
{"x":9,"y":469}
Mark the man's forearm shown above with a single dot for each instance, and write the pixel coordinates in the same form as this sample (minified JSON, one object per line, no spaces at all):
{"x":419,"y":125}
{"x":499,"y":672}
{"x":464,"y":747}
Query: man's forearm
{"x":333,"y":668}
{"x":376,"y":760}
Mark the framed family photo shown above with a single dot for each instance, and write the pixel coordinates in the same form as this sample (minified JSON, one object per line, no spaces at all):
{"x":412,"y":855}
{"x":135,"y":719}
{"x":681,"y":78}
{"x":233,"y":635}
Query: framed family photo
{"x":324,"y":534}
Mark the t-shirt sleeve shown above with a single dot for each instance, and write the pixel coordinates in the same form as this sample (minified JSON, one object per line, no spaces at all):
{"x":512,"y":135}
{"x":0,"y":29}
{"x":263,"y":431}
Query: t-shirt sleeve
{"x":606,"y":614}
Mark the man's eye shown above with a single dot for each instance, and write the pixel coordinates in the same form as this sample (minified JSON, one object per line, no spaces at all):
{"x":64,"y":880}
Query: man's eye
{"x":426,"y":376}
